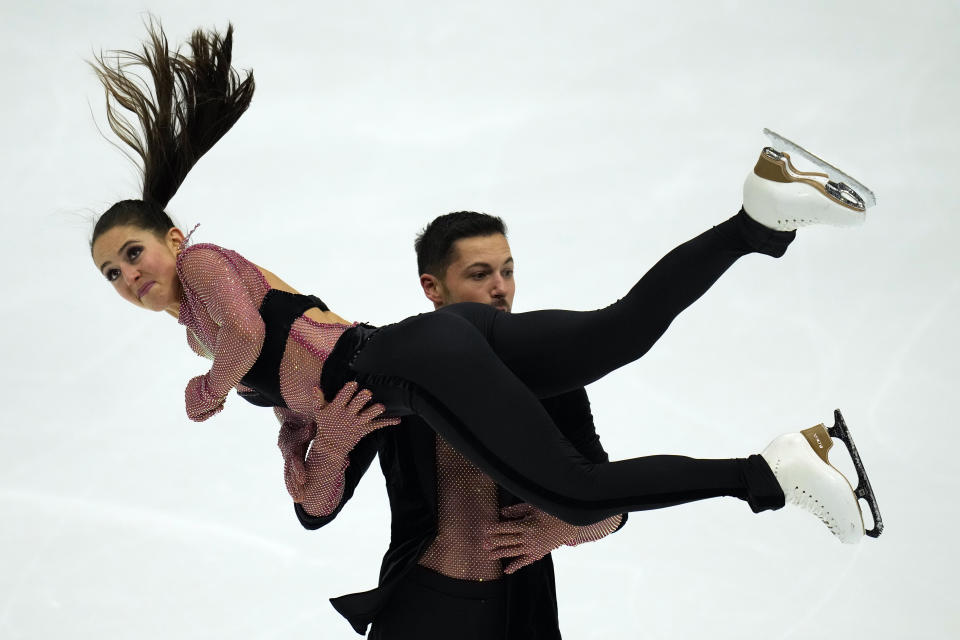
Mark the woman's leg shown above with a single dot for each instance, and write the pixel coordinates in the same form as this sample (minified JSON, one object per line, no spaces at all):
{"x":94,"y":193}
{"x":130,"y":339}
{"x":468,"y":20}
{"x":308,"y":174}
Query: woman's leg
{"x":473,"y":370}
{"x":555,"y":351}
{"x":441,"y":368}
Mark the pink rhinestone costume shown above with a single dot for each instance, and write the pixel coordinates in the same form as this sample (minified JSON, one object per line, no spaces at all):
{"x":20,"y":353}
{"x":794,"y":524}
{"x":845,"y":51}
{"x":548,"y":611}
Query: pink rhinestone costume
{"x":222,"y":294}
{"x":219,"y":306}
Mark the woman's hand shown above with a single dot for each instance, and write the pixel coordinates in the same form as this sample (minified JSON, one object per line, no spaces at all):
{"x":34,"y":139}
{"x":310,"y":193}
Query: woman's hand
{"x":293,"y":441}
{"x":315,"y":456}
{"x":200,"y":401}
{"x":345,"y":420}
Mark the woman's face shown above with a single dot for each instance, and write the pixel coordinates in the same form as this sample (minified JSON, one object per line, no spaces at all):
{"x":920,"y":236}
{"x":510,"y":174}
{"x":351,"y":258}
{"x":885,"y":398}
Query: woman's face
{"x":141,"y":266}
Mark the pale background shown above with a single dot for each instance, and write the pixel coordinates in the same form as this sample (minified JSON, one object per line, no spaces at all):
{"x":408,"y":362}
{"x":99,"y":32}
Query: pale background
{"x":604,"y":133}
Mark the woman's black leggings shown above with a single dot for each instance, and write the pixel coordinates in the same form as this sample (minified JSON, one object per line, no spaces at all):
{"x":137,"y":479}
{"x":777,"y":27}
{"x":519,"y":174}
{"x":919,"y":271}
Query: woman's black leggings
{"x":475,"y":374}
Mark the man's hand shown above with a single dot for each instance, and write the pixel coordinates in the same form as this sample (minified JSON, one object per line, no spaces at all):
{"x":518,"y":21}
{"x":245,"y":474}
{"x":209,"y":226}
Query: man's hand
{"x":527,"y":535}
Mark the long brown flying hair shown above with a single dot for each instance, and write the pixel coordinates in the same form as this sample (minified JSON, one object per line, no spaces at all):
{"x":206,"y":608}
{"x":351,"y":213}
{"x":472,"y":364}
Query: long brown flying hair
{"x":194,"y":101}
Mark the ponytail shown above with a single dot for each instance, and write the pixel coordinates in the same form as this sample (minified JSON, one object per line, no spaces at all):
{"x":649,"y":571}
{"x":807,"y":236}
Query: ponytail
{"x":195,"y":100}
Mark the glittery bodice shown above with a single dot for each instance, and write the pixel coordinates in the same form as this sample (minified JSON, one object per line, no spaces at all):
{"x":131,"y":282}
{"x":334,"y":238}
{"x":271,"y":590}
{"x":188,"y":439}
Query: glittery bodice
{"x":466,"y":506}
{"x":219,"y":306}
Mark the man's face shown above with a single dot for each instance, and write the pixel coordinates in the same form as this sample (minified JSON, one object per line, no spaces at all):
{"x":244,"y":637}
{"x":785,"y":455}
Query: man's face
{"x":481,"y":271}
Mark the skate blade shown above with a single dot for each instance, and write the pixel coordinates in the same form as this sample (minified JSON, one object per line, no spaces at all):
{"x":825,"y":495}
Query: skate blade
{"x":863,"y":490}
{"x":782,"y":144}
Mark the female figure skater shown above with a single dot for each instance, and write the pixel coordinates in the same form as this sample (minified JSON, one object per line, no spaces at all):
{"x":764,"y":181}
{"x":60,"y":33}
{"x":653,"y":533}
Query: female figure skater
{"x":280,"y":348}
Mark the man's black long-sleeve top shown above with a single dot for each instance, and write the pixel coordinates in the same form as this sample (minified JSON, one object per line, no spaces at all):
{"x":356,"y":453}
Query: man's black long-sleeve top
{"x":408,"y":461}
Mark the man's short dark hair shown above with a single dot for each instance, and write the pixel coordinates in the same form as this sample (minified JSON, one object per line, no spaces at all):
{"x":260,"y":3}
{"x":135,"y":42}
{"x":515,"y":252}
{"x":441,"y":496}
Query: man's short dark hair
{"x":434,"y":245}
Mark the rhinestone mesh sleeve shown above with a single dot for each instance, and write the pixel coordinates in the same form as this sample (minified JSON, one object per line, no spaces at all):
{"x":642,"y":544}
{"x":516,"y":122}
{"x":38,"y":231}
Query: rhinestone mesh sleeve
{"x":220,"y":302}
{"x":318,"y":487}
{"x":198,"y":347}
{"x":222,"y":292}
{"x":314,"y":480}
{"x":593,"y":532}
{"x":333,"y":434}
{"x":325,"y":480}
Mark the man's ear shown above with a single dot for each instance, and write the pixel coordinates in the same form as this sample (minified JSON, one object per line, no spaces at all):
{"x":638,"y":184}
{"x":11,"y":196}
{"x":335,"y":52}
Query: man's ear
{"x":432,"y":288}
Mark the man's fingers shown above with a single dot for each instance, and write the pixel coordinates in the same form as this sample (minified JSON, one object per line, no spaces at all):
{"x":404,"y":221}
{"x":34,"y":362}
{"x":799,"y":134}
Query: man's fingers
{"x":503,"y":552}
{"x":505,"y":529}
{"x":516,"y":510}
{"x":503,"y":540}
{"x":517,"y":564}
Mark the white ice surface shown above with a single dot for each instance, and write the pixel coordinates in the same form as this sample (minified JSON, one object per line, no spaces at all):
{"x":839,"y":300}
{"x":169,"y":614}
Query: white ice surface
{"x":604,"y":133}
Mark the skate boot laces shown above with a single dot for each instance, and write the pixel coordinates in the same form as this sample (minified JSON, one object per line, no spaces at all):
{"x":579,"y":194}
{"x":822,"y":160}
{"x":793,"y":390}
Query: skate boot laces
{"x":807,"y":501}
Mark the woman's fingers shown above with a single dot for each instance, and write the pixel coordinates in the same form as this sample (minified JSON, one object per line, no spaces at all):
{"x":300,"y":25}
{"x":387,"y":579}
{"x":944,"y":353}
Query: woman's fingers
{"x":294,"y":439}
{"x":343,"y":397}
{"x":294,"y":475}
{"x":379,"y":423}
{"x":371,"y":412}
{"x":349,"y":417}
{"x":360,"y":400}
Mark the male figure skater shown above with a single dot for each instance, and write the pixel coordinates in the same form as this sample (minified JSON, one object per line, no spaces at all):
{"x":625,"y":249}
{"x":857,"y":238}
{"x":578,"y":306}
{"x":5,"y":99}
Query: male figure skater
{"x":466,"y":559}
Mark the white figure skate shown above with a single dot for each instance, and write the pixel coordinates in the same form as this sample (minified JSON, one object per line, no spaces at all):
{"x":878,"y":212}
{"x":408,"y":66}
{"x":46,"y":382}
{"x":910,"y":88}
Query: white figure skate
{"x":808,"y":480}
{"x":778,"y":195}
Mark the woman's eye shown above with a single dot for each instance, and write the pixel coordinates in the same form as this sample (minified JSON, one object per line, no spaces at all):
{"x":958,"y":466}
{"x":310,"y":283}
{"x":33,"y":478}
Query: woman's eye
{"x":508,"y":273}
{"x":133,"y":253}
{"x":112,"y":274}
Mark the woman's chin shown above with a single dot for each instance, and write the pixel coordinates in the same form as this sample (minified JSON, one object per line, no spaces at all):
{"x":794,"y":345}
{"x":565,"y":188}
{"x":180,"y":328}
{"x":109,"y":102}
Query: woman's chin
{"x":150,"y":304}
